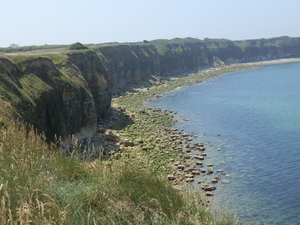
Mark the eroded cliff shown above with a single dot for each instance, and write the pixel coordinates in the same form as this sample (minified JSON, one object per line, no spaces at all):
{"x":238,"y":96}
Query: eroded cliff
{"x":131,"y":65}
{"x":69,"y":92}
{"x":58,"y":99}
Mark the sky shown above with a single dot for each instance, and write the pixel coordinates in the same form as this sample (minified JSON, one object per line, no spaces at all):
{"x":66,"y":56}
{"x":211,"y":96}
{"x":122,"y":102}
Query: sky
{"x":39,"y":22}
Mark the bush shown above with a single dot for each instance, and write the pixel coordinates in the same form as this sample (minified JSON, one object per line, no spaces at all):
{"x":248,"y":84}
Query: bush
{"x":77,"y":46}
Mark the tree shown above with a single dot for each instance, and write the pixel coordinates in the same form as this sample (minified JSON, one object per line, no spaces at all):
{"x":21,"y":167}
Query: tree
{"x":14,"y":46}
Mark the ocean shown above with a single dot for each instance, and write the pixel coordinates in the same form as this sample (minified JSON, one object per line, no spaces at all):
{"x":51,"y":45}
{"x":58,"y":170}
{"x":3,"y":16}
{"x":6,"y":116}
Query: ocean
{"x":250,"y":124}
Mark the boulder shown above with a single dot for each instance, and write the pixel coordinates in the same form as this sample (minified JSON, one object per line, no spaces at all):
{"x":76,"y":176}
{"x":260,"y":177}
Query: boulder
{"x":210,"y":170}
{"x":225,"y":181}
{"x":208,"y":193}
{"x":203,"y":186}
{"x":189,"y":179}
{"x":171,"y":177}
{"x":210,"y":188}
{"x":198,"y":157}
{"x":127,"y":143}
{"x":214,"y":180}
{"x":195,"y":172}
{"x":198,"y":162}
{"x":202,"y":170}
{"x":189,"y":175}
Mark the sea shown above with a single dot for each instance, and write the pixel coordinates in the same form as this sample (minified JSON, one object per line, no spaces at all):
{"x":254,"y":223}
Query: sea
{"x":250,"y":124}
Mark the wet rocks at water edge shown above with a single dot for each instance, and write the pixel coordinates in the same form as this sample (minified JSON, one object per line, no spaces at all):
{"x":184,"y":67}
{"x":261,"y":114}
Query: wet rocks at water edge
{"x":210,"y":170}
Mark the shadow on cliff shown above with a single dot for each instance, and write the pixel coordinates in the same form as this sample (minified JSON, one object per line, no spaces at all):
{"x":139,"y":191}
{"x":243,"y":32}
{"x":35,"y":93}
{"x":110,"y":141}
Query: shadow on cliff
{"x":103,"y":143}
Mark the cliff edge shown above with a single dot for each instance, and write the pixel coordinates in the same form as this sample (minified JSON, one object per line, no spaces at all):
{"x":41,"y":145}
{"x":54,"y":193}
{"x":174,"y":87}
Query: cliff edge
{"x":63,"y":92}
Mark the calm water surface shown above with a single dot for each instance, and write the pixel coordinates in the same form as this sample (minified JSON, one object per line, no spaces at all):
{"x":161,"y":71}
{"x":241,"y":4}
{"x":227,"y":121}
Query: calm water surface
{"x":254,"y":117}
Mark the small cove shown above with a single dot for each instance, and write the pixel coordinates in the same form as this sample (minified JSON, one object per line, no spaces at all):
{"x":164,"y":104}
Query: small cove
{"x":254,"y":117}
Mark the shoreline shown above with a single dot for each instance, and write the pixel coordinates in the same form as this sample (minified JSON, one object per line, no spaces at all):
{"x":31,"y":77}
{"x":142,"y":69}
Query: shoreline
{"x":177,"y":159}
{"x":167,"y":86}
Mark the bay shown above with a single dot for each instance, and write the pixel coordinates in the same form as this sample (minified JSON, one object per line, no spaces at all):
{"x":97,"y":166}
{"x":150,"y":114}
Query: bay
{"x":254,"y":117}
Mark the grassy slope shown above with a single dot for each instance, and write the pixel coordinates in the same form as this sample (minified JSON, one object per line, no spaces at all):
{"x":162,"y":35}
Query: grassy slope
{"x":38,"y":184}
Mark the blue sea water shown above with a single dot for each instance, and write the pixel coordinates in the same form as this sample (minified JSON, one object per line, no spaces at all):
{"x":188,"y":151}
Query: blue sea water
{"x":254,"y":117}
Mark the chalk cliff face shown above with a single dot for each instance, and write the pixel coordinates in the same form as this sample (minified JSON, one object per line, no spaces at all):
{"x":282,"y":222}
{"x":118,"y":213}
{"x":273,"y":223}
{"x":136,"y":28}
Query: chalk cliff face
{"x":74,"y":94}
{"x":57,"y":99}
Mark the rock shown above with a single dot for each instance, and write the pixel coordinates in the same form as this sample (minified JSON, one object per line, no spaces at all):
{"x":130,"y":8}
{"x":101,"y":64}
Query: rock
{"x":189,"y":175}
{"x":195,"y":172}
{"x":190,"y":169}
{"x":127,"y":143}
{"x":180,"y":167}
{"x":171,"y":177}
{"x":112,"y":138}
{"x":198,"y":162}
{"x":188,"y":150}
{"x":203,"y":186}
{"x":202,"y":170}
{"x":225,"y":181}
{"x":210,"y":170}
{"x":177,"y":163}
{"x":199,"y":144}
{"x":189,"y":179}
{"x":219,"y":149}
{"x":208,"y":193}
{"x":209,"y":188}
{"x":198,"y":157}
{"x":210,"y":164}
{"x":187,"y":157}
{"x":214,"y":180}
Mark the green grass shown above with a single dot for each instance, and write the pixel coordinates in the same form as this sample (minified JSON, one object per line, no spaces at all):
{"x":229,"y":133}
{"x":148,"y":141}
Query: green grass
{"x":38,"y":185}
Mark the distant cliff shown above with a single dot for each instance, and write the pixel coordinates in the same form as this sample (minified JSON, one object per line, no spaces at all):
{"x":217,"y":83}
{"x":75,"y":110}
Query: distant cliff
{"x":132,"y":64}
{"x":68,"y":92}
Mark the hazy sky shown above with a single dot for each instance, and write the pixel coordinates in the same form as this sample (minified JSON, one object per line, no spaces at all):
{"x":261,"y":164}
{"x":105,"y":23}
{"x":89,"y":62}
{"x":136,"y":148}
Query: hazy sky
{"x":39,"y":22}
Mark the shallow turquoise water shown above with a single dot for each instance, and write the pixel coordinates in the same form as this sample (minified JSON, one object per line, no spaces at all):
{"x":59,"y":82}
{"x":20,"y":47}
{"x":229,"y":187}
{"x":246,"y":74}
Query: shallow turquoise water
{"x":254,"y":116}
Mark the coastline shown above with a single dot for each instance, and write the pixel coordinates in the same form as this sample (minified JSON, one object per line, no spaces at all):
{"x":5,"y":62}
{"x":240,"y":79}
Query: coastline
{"x":177,"y":160}
{"x":275,"y":61}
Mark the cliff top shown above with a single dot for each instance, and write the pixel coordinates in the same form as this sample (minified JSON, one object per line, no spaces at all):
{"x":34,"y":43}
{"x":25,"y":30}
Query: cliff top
{"x":210,"y":42}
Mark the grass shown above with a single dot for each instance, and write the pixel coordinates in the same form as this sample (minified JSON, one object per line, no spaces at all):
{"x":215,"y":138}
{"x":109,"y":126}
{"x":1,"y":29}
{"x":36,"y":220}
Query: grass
{"x":38,"y":185}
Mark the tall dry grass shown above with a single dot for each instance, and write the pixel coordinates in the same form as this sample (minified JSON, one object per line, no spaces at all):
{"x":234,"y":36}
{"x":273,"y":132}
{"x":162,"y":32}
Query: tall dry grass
{"x":40,"y":186}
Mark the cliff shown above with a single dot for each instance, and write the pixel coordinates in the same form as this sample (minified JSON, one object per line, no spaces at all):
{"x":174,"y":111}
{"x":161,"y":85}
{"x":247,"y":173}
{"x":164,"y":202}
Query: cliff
{"x":133,"y":64}
{"x":58,"y":99}
{"x":68,"y":92}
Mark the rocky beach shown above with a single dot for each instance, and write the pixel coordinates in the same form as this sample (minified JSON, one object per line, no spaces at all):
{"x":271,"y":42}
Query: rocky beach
{"x":169,"y":151}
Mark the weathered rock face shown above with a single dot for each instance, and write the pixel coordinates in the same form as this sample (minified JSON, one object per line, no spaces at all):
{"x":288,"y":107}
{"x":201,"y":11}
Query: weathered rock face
{"x":131,"y":65}
{"x":57,"y":99}
{"x":74,"y":94}
{"x":95,"y":75}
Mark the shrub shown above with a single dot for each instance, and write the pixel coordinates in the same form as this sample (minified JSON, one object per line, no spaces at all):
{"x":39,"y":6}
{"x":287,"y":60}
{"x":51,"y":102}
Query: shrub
{"x":77,"y":46}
